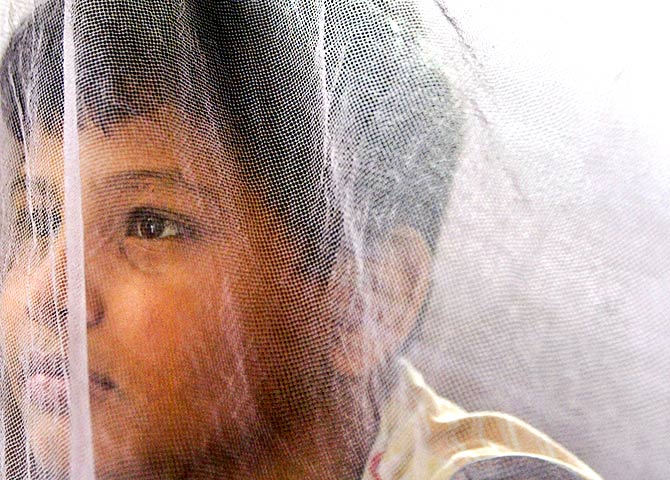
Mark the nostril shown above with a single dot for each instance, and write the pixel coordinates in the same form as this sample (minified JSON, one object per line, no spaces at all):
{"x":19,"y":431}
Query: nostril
{"x":93,"y":320}
{"x":94,"y":316}
{"x":61,"y":317}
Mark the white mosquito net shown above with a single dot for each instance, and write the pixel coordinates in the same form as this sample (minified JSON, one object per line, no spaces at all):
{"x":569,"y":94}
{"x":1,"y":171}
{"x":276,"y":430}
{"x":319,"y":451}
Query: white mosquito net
{"x":227,"y":226}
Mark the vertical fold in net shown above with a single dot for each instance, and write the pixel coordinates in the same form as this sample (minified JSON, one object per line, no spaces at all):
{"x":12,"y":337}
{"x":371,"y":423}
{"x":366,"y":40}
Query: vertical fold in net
{"x":81,"y":445}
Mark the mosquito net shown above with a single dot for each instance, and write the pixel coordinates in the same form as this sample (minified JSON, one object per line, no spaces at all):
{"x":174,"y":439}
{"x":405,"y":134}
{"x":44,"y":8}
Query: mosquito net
{"x":257,"y":239}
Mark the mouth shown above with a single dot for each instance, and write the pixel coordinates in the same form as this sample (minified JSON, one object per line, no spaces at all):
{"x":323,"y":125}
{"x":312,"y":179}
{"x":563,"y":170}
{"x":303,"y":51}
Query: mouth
{"x":47,"y":383}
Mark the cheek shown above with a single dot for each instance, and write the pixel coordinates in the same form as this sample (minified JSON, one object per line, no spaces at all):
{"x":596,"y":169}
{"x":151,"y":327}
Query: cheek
{"x":18,"y":333}
{"x":9,"y":305}
{"x":173,"y":345}
{"x":12,"y":320}
{"x":180,"y":325}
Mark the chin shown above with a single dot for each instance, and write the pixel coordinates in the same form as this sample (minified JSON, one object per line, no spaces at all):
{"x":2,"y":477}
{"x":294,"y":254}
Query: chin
{"x":48,"y":435}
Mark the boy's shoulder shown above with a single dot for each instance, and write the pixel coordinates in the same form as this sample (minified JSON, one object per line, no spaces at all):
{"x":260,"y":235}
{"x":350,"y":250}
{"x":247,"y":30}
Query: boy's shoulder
{"x":422,"y":435}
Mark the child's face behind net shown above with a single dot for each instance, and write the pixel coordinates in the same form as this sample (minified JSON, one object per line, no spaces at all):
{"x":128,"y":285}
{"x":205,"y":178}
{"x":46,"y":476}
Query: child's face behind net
{"x":206,"y":339}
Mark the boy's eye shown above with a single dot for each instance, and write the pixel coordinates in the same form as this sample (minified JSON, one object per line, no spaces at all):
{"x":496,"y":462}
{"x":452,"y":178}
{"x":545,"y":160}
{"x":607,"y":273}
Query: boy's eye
{"x":40,"y":223}
{"x":152,"y":225}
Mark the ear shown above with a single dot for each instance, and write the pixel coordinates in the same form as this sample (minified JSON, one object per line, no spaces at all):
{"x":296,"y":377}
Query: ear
{"x":377,"y":301}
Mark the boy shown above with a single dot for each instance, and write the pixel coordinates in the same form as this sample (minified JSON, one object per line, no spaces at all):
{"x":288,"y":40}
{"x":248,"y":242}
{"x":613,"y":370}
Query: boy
{"x":248,"y":285}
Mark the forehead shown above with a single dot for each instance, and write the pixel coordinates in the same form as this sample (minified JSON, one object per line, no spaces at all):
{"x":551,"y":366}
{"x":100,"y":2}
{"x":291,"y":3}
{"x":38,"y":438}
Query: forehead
{"x":159,"y":158}
{"x":164,"y":143}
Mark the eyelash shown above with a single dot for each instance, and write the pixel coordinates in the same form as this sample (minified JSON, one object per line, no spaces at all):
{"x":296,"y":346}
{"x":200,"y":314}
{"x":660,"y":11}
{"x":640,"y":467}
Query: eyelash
{"x":42,"y":223}
{"x":151,"y":224}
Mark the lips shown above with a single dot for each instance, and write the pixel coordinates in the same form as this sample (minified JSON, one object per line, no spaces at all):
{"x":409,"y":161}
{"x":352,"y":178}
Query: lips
{"x":47,"y":382}
{"x":48,"y":379}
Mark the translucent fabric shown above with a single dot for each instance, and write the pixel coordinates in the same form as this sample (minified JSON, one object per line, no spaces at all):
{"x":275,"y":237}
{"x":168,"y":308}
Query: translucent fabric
{"x":226,"y":226}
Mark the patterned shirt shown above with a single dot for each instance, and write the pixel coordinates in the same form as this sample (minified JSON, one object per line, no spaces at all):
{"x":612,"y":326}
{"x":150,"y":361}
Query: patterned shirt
{"x":425,"y":437}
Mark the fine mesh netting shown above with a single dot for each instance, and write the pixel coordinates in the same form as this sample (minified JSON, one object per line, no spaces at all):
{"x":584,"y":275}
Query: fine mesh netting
{"x":250,"y":239}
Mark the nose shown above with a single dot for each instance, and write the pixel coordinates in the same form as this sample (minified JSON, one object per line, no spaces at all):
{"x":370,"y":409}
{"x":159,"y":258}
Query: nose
{"x":48,"y":291}
{"x":47,"y":287}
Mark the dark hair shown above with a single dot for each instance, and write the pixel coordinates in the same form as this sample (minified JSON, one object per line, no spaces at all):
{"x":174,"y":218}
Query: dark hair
{"x":248,"y":66}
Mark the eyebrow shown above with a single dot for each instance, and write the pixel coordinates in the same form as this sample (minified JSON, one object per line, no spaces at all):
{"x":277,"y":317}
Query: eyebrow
{"x":21,"y":184}
{"x":171,"y":178}
{"x":168,"y":177}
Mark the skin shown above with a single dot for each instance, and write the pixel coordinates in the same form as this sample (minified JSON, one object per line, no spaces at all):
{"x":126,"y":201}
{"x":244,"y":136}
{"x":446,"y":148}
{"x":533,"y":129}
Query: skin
{"x":212,"y":353}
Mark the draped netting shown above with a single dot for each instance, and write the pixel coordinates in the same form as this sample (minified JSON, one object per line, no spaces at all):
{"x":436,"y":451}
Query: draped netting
{"x":223,"y":222}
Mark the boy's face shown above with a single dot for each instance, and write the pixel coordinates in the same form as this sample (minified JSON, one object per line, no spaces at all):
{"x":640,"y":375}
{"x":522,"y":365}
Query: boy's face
{"x":202,"y":328}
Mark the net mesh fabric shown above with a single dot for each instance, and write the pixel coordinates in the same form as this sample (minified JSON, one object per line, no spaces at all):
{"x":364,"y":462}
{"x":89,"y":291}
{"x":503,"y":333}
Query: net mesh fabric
{"x":221,"y":224}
